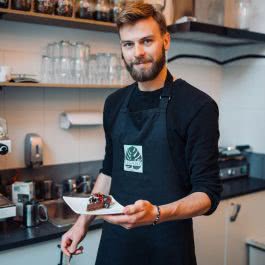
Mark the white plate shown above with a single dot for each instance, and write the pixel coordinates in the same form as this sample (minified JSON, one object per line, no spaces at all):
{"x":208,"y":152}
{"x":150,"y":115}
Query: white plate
{"x":79,"y":205}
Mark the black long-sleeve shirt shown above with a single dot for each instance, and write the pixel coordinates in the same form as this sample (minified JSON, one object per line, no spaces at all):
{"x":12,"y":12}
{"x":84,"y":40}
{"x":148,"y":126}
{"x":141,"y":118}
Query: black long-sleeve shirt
{"x":192,"y":130}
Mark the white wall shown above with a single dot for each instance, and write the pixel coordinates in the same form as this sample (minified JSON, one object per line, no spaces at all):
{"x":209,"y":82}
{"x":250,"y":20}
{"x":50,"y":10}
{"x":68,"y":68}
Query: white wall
{"x":37,"y":109}
{"x":242,"y":99}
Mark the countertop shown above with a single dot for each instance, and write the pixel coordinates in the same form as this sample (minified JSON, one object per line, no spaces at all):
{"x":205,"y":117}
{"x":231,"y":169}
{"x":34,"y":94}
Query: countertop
{"x":257,"y":242}
{"x":14,"y":235}
{"x":241,"y":186}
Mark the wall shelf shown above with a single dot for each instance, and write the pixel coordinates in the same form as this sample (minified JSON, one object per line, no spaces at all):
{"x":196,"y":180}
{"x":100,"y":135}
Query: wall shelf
{"x":54,"y":20}
{"x":195,"y":32}
{"x":214,"y":35}
{"x":46,"y":85}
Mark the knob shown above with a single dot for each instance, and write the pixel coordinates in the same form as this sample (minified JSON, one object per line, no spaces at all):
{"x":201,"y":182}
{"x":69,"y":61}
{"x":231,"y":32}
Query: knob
{"x":3,"y":149}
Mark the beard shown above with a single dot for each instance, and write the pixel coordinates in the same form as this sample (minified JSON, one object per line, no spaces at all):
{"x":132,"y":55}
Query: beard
{"x":143,"y":75}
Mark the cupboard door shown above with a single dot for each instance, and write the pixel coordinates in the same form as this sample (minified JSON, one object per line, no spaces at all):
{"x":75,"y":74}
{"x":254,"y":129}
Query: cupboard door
{"x":48,"y":252}
{"x":90,"y":244}
{"x":249,"y":222}
{"x":209,"y":235}
{"x":40,"y":253}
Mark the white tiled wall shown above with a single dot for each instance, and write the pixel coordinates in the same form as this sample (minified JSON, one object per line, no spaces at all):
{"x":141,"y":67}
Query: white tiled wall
{"x":37,"y":110}
{"x":242,"y":99}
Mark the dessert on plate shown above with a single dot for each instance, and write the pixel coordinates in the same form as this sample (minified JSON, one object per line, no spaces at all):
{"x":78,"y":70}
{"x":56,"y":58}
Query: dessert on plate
{"x":98,"y":201}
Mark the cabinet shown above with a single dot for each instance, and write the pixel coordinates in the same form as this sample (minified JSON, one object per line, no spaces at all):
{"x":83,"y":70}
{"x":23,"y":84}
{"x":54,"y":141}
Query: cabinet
{"x":48,"y":252}
{"x":209,"y":236}
{"x":222,"y":242}
{"x":250,"y":222}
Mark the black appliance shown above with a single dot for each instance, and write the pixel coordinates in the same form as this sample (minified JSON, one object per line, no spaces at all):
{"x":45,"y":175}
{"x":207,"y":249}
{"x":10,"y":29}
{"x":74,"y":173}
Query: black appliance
{"x":233,"y":162}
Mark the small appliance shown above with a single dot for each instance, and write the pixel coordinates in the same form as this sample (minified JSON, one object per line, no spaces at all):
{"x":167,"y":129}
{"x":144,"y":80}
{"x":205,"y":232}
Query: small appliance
{"x":7,"y":208}
{"x":21,"y":193}
{"x":233,"y":162}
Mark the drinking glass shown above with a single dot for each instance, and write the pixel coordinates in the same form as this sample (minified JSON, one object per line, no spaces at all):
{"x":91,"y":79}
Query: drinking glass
{"x":92,"y":70}
{"x":79,"y":71}
{"x":114,"y":69}
{"x":65,"y":70}
{"x":46,"y":69}
{"x":65,"y":49}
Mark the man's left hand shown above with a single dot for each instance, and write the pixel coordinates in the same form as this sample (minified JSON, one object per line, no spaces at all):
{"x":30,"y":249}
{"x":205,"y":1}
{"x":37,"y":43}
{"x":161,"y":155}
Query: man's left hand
{"x":138,"y":214}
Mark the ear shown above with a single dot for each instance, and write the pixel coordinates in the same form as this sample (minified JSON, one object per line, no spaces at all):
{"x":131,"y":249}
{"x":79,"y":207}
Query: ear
{"x":167,"y":41}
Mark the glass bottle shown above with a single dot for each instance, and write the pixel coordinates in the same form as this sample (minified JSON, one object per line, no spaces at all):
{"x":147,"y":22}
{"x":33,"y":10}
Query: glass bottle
{"x":242,"y":9}
{"x":24,"y":5}
{"x":86,"y":9}
{"x":3,"y":3}
{"x":44,"y":6}
{"x":115,"y":7}
{"x":64,"y":8}
{"x":102,"y":10}
{"x":215,"y":12}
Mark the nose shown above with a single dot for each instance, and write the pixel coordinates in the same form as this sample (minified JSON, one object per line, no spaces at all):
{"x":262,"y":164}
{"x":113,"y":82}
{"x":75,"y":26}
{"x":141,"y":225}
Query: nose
{"x":139,"y":50}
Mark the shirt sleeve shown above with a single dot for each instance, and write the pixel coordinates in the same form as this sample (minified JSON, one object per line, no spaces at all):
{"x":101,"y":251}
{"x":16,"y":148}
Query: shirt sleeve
{"x":107,"y":162}
{"x":202,"y":153}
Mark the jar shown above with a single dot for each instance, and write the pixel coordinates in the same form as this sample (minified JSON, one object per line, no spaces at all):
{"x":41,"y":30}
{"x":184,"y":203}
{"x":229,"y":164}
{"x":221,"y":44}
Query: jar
{"x":86,"y":9}
{"x":24,"y":5}
{"x":115,"y":7}
{"x":242,"y":13}
{"x":102,"y":10}
{"x":64,"y":8}
{"x":44,"y":6}
{"x":3,"y":3}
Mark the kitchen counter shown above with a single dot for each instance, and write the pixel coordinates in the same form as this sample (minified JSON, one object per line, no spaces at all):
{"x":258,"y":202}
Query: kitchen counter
{"x":241,"y":186}
{"x":14,"y":235}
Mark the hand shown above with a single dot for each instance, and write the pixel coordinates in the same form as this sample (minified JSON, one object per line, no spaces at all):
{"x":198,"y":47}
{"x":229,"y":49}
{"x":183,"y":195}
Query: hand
{"x":138,"y":214}
{"x":71,"y":239}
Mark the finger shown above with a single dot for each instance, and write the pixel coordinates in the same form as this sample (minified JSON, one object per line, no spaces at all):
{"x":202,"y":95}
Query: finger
{"x":129,"y":209}
{"x":78,"y":251}
{"x":73,"y":247}
{"x":134,"y":208}
{"x":116,"y":219}
{"x":64,"y":246}
{"x":104,"y":215}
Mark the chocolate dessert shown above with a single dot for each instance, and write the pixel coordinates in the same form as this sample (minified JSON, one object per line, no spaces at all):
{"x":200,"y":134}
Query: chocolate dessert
{"x":98,"y":201}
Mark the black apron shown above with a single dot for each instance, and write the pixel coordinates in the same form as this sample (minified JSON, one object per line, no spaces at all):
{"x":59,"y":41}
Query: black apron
{"x":143,"y":169}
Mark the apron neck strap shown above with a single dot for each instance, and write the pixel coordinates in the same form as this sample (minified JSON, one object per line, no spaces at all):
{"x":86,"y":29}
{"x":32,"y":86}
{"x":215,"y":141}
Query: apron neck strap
{"x":164,"y":97}
{"x":166,"y":92}
{"x":167,"y":89}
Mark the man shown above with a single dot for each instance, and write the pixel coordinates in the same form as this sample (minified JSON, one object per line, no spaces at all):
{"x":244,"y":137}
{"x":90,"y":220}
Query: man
{"x":161,"y":155}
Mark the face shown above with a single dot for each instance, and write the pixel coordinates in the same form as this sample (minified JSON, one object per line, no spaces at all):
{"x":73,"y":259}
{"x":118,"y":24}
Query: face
{"x":143,"y":49}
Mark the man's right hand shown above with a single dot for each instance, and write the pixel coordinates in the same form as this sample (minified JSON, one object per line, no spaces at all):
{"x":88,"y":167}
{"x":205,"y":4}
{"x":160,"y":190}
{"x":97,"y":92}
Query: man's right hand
{"x":76,"y":234}
{"x":71,"y":239}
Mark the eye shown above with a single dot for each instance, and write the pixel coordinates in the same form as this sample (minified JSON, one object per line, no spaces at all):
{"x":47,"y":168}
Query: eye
{"x":127,"y":45}
{"x":147,"y":41}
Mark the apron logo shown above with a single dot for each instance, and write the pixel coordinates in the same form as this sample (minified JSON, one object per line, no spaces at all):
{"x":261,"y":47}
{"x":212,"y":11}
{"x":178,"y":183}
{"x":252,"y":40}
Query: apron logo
{"x":133,"y":160}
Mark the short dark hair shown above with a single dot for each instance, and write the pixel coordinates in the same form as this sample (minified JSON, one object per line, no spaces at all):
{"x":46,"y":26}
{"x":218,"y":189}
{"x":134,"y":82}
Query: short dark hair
{"x":137,"y":10}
